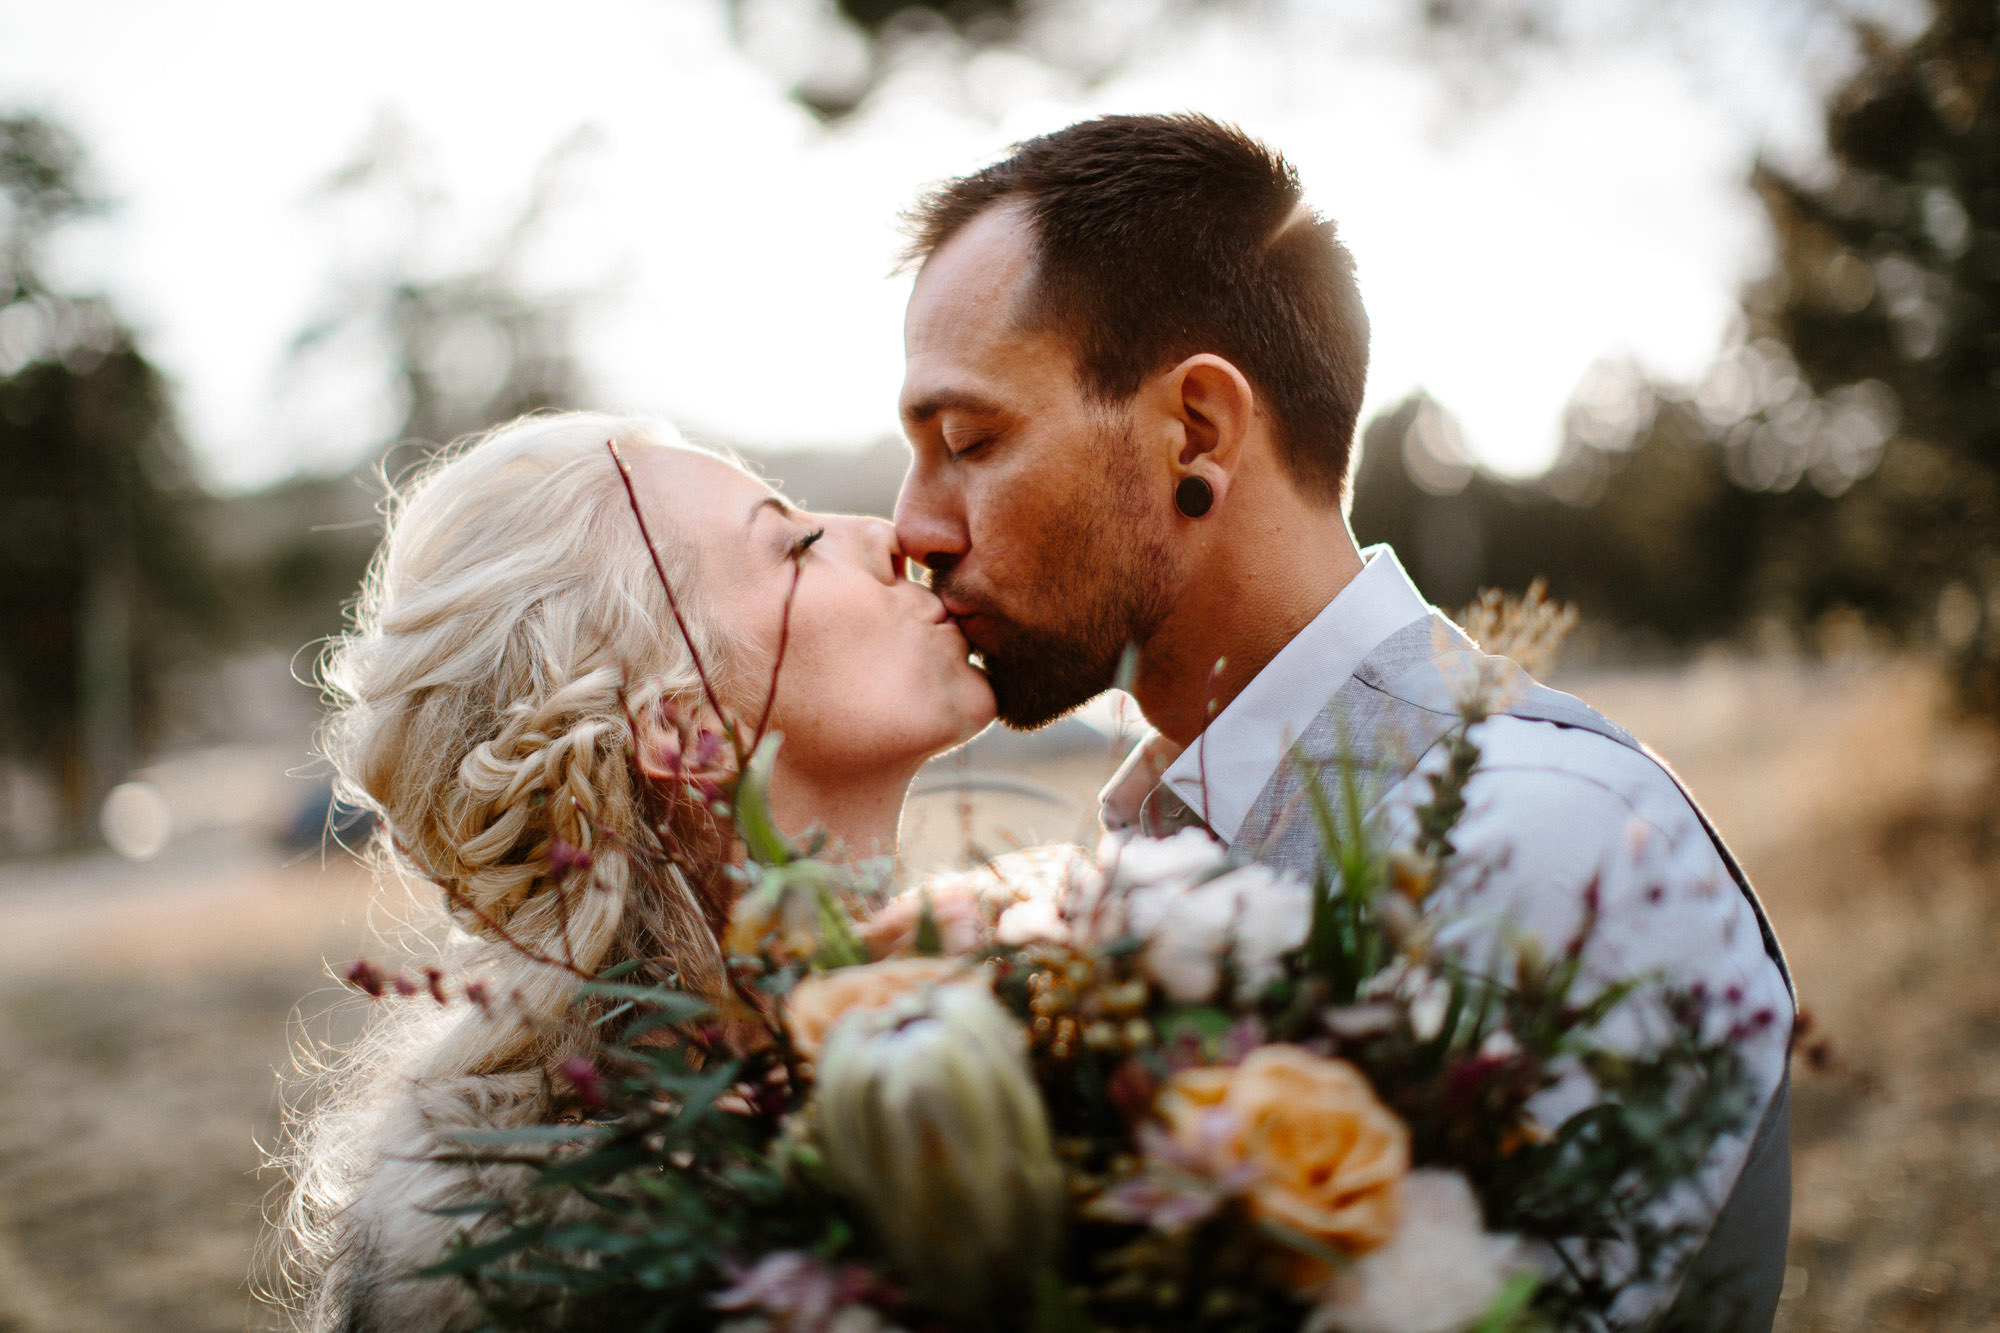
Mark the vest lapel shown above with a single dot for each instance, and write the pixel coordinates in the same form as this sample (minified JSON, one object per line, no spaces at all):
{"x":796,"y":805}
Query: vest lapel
{"x":1398,"y":703}
{"x":1363,"y":726}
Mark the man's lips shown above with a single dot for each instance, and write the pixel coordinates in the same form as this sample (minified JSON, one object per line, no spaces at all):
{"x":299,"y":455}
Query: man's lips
{"x":970,"y":629}
{"x":970,"y":617}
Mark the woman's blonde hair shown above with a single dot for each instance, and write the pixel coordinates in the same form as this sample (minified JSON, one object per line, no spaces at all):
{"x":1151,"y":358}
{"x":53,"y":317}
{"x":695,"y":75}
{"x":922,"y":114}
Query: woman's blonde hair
{"x":509,"y":631}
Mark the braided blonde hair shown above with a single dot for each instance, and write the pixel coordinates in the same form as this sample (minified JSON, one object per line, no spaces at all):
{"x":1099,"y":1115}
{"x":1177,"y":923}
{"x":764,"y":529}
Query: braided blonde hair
{"x":510,"y":628}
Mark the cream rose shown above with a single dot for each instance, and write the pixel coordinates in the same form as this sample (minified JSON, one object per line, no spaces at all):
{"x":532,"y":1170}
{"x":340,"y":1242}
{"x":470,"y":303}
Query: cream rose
{"x":964,"y":920}
{"x":1439,"y":1273}
{"x":1192,"y":908}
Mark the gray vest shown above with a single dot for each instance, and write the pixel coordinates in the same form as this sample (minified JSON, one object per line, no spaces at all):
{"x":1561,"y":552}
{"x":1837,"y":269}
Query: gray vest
{"x":1398,"y":704}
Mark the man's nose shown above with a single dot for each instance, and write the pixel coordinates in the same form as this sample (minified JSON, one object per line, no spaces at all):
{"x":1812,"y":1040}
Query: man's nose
{"x":930,"y":526}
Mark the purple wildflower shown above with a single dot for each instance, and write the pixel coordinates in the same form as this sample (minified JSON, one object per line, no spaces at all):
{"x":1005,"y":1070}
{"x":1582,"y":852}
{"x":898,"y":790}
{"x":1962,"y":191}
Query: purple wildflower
{"x":365,"y":976}
{"x":566,"y":857}
{"x":588,"y":1082}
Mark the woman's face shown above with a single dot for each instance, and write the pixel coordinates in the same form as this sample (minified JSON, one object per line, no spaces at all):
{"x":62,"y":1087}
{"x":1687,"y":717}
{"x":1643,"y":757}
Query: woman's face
{"x":875,"y":678}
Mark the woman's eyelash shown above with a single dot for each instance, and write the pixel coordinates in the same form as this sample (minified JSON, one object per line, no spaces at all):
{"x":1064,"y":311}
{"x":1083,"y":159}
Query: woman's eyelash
{"x":804,"y":543}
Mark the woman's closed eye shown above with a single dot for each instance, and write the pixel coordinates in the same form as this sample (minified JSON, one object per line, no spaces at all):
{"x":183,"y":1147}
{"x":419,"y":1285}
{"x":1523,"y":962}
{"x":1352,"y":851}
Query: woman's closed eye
{"x":798,"y":549}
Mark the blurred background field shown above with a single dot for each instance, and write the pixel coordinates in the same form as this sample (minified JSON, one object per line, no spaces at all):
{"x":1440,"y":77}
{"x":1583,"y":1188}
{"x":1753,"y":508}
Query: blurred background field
{"x":144,"y":1010}
{"x":1693,"y":310}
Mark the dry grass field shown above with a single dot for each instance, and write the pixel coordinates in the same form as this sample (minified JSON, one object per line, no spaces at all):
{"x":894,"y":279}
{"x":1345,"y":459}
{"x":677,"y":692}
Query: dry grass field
{"x":146,"y":1011}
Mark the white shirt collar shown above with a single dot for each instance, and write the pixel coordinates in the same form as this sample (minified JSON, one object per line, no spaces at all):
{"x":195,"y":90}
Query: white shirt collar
{"x":1220,"y":776}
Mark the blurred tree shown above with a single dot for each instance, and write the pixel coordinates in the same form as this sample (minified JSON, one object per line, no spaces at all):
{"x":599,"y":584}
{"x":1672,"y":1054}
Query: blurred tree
{"x":438,"y":349}
{"x":1888,"y":284}
{"x":465,"y":345}
{"x":1842,"y":456}
{"x":835,"y":54}
{"x":875,"y":15}
{"x":102,"y":584}
{"x":1649,"y":535}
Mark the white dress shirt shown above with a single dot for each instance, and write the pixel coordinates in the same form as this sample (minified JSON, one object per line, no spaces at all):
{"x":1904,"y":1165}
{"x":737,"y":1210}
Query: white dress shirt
{"x":1548,"y":810}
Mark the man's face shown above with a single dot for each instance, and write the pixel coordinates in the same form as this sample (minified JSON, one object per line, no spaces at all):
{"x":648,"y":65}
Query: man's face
{"x":1028,"y":500}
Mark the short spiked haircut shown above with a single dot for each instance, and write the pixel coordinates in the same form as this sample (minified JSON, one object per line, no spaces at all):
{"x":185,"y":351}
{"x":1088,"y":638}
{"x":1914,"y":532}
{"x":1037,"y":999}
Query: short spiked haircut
{"x":1160,"y":237}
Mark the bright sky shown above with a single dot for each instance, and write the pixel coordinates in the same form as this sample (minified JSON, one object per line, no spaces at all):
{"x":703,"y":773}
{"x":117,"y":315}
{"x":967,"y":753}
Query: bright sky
{"x":1505,"y":243}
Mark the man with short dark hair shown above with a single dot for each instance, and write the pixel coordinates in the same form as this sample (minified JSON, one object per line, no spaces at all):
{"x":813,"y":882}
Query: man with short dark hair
{"x":1135,"y":360}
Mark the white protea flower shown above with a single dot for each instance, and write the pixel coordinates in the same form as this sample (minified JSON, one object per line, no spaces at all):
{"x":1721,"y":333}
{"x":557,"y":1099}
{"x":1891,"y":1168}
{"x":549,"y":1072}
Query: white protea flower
{"x":1193,"y":908}
{"x":930,"y":1120}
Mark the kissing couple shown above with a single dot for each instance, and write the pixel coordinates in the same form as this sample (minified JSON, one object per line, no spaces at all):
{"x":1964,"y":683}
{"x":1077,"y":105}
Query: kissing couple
{"x":1135,"y":360}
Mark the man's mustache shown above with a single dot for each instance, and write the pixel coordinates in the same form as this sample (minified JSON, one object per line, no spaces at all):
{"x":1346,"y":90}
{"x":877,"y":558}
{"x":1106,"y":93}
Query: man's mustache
{"x":958,"y":598}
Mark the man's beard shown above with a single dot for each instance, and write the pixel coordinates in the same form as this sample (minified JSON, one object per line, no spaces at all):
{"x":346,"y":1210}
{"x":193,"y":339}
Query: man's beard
{"x":1117,"y":594}
{"x":1039,"y":673}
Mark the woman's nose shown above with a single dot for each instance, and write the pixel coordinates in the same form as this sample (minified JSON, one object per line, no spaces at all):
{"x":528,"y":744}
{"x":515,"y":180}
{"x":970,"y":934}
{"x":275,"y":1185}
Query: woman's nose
{"x":881,"y":554}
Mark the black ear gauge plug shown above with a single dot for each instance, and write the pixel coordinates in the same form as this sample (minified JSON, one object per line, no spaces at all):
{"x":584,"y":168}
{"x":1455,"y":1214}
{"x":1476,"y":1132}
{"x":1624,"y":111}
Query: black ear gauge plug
{"x":1193,"y":496}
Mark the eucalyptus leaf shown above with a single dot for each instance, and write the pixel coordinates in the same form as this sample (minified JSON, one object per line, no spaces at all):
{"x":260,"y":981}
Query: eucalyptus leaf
{"x":752,"y":813}
{"x":475,"y":1257}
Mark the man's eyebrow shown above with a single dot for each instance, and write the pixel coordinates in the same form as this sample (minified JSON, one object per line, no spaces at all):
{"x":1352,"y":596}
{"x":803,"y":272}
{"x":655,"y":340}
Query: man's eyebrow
{"x":927,"y":407}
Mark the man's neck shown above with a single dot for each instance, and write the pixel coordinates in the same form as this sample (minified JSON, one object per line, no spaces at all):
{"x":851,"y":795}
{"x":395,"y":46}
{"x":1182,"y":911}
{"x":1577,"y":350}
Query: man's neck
{"x":1249,"y":600}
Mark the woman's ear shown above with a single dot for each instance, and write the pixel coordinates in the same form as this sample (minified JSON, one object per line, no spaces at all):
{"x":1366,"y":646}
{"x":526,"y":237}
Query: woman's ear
{"x":1212,"y":409}
{"x":673,"y":747}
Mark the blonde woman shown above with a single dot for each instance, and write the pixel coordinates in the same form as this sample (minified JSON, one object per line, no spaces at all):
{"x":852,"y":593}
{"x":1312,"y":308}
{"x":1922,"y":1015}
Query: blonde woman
{"x":511,"y":628}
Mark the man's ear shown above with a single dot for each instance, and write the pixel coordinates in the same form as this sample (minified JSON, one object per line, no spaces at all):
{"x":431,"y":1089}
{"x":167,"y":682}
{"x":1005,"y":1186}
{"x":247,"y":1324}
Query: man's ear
{"x":1211,"y":408}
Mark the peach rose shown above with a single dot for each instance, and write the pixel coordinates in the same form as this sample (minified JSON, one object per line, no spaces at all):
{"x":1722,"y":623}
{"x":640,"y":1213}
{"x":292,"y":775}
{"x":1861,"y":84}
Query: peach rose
{"x":818,"y":1002}
{"x":964,"y":920}
{"x":969,"y":903}
{"x":1326,"y":1158}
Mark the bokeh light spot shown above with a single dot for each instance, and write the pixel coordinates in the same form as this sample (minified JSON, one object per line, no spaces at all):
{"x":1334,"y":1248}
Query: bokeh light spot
{"x":136,"y":821}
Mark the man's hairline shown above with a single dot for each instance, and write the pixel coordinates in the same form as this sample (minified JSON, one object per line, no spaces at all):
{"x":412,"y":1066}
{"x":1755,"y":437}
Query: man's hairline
{"x":1031,"y":313}
{"x":1030,"y":317}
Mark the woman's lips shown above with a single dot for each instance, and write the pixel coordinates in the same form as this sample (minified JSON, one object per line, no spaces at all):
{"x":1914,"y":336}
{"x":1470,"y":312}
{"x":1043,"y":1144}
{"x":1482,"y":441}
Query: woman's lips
{"x":945,"y":619}
{"x":972,"y":619}
{"x":935,"y":609}
{"x":968,"y":627}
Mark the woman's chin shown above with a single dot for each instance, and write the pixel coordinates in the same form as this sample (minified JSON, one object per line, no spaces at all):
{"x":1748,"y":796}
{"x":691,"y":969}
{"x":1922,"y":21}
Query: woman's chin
{"x":974,"y":728}
{"x":975,"y":714}
{"x":985,"y":706}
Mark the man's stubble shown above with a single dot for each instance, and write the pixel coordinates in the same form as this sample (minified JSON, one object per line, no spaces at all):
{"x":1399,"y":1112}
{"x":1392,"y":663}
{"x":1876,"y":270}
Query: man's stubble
{"x":1103,"y":580}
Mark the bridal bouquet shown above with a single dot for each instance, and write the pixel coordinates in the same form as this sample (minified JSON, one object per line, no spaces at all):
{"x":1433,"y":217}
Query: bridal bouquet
{"x":1157,"y":1087}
